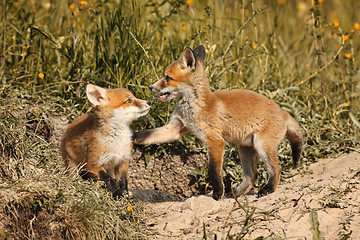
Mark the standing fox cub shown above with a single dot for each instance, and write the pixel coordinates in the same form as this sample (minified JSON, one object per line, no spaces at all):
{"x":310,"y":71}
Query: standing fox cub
{"x":100,"y":143}
{"x":253,"y":122}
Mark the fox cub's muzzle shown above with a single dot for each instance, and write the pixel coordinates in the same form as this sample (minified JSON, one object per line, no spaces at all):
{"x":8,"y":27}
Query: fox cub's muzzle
{"x":154,"y":89}
{"x":165,"y":91}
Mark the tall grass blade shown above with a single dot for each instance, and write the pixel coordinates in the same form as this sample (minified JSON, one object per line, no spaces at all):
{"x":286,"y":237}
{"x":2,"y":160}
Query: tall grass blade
{"x":314,"y":222}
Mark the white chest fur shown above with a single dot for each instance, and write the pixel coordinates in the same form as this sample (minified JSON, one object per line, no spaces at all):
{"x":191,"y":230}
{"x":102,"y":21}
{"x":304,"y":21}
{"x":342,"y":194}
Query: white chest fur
{"x":118,"y":142}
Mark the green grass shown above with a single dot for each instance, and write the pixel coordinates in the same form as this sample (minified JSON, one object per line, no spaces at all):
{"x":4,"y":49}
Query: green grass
{"x":290,"y":52}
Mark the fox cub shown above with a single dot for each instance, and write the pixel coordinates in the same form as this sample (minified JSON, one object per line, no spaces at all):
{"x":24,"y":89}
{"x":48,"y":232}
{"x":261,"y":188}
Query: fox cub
{"x":99,"y":143}
{"x":245,"y":118}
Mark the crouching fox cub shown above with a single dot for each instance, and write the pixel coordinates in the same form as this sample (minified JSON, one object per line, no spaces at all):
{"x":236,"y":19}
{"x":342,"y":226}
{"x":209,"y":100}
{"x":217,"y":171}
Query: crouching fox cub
{"x":253,"y":122}
{"x":99,"y":143}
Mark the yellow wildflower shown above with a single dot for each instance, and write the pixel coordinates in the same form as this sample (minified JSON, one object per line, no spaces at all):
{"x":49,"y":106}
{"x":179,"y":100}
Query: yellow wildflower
{"x":183,"y":27}
{"x":189,"y":2}
{"x":357,"y":26}
{"x":72,"y":6}
{"x":336,"y":22}
{"x":163,"y":23}
{"x":352,"y":30}
{"x":346,"y":104}
{"x":41,"y":75}
{"x":83,"y":3}
{"x":129,"y":208}
{"x":346,"y":37}
{"x":25,"y":48}
{"x":254,"y":45}
{"x":321,"y":1}
{"x":15,"y":107}
{"x":348,"y":55}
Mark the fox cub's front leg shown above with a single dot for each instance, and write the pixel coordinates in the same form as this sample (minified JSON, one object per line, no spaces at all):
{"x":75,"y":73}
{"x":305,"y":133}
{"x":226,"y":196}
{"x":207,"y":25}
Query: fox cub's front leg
{"x":216,"y":152}
{"x":170,"y":132}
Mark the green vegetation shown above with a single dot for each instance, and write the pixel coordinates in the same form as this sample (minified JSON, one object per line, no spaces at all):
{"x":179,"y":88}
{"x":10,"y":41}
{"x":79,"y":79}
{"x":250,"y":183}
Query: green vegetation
{"x":301,"y":54}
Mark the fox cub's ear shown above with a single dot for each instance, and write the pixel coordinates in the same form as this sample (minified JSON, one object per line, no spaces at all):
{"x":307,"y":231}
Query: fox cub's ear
{"x":187,"y":59}
{"x":96,"y":95}
{"x":199,"y":53}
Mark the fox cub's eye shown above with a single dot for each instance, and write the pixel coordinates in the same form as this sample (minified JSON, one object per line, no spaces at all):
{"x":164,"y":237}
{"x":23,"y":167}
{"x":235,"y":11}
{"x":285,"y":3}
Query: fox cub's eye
{"x":129,"y":101}
{"x":167,"y":78}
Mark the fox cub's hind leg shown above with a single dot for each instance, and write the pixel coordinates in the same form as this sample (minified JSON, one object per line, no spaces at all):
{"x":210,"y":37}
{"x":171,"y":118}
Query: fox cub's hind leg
{"x":267,"y":150}
{"x":249,"y":160}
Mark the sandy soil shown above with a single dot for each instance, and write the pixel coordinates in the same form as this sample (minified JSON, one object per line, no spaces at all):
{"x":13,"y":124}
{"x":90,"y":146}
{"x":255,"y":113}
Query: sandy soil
{"x":329,"y":188}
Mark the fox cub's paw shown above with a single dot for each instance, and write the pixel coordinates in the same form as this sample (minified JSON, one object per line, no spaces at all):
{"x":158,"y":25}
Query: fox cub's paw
{"x":140,"y":137}
{"x":265,"y":191}
{"x":117,"y":189}
{"x":218,"y":192}
{"x":137,"y":138}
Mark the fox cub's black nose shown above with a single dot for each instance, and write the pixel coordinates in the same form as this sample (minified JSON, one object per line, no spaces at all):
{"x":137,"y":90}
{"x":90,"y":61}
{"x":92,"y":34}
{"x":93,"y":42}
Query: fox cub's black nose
{"x":151,"y":88}
{"x":148,"y":103}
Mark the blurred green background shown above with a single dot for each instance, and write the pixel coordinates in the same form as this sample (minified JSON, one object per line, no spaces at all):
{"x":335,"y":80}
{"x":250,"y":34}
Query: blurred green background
{"x":302,"y":54}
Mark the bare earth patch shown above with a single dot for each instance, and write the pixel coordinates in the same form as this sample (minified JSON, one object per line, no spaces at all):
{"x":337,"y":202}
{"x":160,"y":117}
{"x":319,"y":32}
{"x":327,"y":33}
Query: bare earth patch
{"x":330,"y":187}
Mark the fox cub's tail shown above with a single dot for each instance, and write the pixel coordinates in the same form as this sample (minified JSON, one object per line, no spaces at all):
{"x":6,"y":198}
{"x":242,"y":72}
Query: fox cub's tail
{"x":295,"y":136}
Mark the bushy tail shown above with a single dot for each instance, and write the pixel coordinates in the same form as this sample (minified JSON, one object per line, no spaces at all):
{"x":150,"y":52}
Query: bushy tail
{"x":295,"y":136}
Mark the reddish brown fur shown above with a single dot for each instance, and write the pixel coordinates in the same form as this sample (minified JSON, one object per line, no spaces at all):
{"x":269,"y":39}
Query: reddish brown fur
{"x":74,"y":145}
{"x":99,"y":143}
{"x":252,"y":121}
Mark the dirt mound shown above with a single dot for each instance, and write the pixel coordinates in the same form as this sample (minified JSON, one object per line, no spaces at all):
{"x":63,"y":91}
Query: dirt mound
{"x":328,"y":193}
{"x":170,"y":172}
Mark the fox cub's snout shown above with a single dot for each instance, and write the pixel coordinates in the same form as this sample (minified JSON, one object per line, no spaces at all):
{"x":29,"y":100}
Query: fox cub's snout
{"x":99,"y":144}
